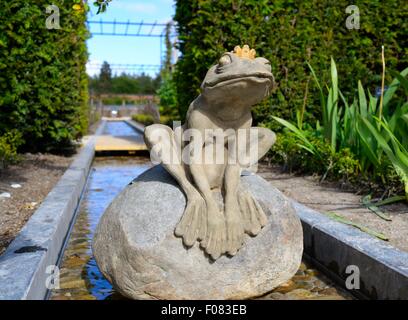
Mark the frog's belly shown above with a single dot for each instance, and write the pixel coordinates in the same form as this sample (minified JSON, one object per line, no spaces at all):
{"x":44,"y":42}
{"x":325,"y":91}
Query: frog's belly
{"x":215,"y":175}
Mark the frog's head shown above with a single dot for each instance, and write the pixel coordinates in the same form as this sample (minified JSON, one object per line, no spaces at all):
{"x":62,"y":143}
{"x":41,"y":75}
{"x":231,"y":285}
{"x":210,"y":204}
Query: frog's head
{"x":238,"y":76}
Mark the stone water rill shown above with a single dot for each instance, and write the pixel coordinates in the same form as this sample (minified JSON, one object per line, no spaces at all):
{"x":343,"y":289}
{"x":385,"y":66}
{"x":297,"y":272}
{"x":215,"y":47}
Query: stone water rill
{"x":201,"y":225}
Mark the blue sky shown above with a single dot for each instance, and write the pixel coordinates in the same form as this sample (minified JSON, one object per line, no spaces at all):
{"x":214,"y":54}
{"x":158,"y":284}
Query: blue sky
{"x":128,"y":50}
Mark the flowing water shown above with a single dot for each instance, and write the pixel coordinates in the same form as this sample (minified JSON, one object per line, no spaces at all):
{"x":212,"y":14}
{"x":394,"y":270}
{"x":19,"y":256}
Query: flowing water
{"x":119,"y":128}
{"x":80,"y":278}
{"x":79,"y":274}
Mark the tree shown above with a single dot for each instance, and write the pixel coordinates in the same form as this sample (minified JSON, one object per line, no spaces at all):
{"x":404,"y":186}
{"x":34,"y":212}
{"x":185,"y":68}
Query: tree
{"x":167,"y":90}
{"x":166,"y":64}
{"x":124,"y":83}
{"x":101,"y":5}
{"x":168,"y":97}
{"x":105,"y":78}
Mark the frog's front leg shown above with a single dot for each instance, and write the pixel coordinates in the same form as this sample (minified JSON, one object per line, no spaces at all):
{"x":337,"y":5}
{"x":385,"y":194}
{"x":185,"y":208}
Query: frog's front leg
{"x":214,"y":242}
{"x":207,"y":172}
{"x":163,"y":144}
{"x":234,"y":219}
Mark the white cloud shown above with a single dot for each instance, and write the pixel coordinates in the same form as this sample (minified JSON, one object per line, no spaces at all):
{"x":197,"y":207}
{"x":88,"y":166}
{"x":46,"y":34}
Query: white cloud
{"x":93,"y":67}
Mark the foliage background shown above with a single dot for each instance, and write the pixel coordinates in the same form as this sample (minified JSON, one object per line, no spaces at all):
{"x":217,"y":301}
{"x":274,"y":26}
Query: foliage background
{"x":123,"y":83}
{"x":43,"y":81}
{"x":289,"y":33}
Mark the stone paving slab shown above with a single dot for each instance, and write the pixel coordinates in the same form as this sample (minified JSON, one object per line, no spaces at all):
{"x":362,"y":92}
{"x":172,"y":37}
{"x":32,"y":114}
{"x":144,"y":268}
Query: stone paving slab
{"x":122,"y":143}
{"x":119,"y":143}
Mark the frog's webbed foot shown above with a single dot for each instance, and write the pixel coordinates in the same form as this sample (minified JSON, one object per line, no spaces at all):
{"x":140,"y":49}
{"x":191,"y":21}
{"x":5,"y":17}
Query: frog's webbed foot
{"x":193,"y":224}
{"x":215,"y":240}
{"x":252,"y":213}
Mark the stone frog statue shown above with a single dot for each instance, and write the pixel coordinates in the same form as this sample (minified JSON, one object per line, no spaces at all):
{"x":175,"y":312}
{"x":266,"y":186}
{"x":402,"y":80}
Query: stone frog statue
{"x":228,"y":92}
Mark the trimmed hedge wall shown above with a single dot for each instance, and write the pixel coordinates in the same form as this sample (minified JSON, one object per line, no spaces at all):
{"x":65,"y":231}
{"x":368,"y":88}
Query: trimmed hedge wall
{"x":289,"y":33}
{"x":43,"y":81}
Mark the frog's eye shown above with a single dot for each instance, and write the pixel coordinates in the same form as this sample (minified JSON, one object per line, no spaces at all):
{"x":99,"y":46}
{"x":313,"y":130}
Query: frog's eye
{"x":224,"y":60}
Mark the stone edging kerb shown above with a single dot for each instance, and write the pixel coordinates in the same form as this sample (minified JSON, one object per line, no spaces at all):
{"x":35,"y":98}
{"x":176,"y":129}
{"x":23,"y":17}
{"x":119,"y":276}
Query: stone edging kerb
{"x":383,"y":269}
{"x":24,"y":267}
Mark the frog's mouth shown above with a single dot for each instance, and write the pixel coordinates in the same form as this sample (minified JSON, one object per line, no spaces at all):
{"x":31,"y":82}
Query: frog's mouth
{"x":261,"y":78}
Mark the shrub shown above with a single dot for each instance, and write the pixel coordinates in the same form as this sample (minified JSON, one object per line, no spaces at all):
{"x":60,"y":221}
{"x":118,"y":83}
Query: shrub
{"x":148,"y":119}
{"x":9,"y":143}
{"x":340,"y":165}
{"x":168,"y":98}
{"x":374,"y":131}
{"x":145,"y":119}
{"x":43,"y":81}
{"x":289,"y":33}
{"x":167,"y":120}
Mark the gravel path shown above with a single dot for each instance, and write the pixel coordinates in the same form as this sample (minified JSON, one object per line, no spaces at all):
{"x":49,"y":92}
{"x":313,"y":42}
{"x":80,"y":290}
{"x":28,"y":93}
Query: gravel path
{"x":33,"y":178}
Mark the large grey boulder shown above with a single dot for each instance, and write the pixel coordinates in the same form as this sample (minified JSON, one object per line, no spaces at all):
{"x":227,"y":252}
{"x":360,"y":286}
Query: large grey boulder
{"x":137,"y":251}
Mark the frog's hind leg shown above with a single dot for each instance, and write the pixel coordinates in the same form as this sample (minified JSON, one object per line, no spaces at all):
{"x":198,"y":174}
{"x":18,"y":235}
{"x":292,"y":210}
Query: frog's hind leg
{"x":253,"y":215}
{"x":164,"y":145}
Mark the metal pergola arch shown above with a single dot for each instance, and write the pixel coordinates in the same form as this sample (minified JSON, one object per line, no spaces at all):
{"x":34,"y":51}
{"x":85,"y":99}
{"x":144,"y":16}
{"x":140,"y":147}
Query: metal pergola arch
{"x":132,"y":29}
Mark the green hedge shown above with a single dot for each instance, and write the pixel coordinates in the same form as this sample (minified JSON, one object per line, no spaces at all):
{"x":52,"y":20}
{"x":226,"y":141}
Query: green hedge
{"x":289,"y":33}
{"x":43,"y":81}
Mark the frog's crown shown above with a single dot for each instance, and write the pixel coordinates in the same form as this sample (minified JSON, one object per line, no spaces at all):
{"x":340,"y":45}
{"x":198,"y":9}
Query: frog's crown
{"x":245,"y":52}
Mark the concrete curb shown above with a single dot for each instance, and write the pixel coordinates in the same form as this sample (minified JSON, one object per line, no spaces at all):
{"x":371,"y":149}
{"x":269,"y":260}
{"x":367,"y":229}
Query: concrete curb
{"x":333,"y":246}
{"x":24,"y":267}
